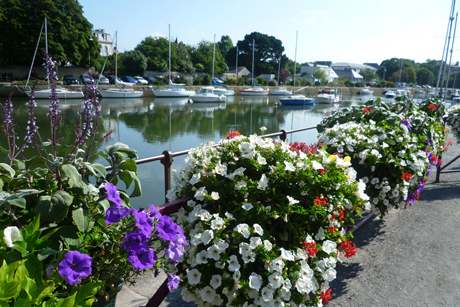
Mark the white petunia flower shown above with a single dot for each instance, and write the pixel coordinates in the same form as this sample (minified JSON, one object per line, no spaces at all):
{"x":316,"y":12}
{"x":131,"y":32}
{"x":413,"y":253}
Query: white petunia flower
{"x":243,"y":229}
{"x":258,"y":229}
{"x":275,"y":280}
{"x":263,"y":182}
{"x":261,"y":160}
{"x":292,"y":201}
{"x":217,"y":223}
{"x":263,"y":129}
{"x":207,"y":236}
{"x":316,"y":165}
{"x":255,"y":241}
{"x":247,"y":206}
{"x":207,"y":294}
{"x":215,"y":195}
{"x":255,"y":281}
{"x":193,"y":276}
{"x":289,"y":166}
{"x":268,"y":245}
{"x":267,"y":294}
{"x":200,"y":194}
{"x":329,"y":246}
{"x":330,"y":275}
{"x":240,"y":184}
{"x":276,"y":265}
{"x":202,"y":257}
{"x":249,"y":257}
{"x":216,"y":281}
{"x":221,"y":169}
{"x":287,"y":254}
{"x":12,"y":234}
{"x":233,"y":264}
{"x":213,"y":252}
{"x":320,"y":235}
{"x":195,"y":178}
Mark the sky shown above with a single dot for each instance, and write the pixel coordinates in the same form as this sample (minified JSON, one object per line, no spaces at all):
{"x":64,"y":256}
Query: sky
{"x":355,"y":31}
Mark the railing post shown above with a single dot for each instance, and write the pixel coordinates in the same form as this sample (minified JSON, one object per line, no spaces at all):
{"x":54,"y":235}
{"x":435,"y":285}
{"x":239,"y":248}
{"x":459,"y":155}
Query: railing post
{"x":167,"y":162}
{"x":283,"y":136}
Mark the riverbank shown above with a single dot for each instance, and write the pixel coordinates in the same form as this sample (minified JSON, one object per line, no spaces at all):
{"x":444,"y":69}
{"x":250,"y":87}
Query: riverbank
{"x":410,"y":258}
{"x":6,"y":88}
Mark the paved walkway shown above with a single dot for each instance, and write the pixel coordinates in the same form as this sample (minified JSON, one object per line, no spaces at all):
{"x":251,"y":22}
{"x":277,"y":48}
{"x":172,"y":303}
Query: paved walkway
{"x":410,"y":258}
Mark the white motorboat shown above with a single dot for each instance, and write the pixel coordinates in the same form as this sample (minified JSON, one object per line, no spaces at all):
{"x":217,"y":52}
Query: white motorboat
{"x":254,"y":91}
{"x":224,"y":91}
{"x":280,"y":92}
{"x":173,"y":90}
{"x":390,"y":94}
{"x":61,"y":92}
{"x":365,"y":91}
{"x":206,"y":94}
{"x":327,"y":95}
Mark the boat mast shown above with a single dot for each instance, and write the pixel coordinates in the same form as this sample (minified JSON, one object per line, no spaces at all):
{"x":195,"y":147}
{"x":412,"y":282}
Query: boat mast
{"x":451,"y":51}
{"x":252,"y":73}
{"x":279,"y":67}
{"x":213,"y":57}
{"x":35,"y":54}
{"x":236,"y":70}
{"x":295,"y":60}
{"x":116,"y":55}
{"x":46,"y":45}
{"x":449,"y":25}
{"x":170,"y":54}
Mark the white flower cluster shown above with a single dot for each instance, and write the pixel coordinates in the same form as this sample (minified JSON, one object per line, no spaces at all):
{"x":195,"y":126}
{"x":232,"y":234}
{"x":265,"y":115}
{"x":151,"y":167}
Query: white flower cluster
{"x":453,"y":120}
{"x":232,"y":253}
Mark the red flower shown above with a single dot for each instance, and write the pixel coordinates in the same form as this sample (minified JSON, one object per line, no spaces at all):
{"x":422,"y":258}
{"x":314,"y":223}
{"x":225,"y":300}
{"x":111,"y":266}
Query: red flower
{"x":332,"y":230}
{"x":231,"y":135}
{"x":450,"y":143}
{"x":320,"y":201}
{"x":406,"y":176}
{"x":325,"y":297}
{"x":432,"y":107}
{"x":433,"y":158}
{"x":310,"y":247}
{"x":349,"y":248}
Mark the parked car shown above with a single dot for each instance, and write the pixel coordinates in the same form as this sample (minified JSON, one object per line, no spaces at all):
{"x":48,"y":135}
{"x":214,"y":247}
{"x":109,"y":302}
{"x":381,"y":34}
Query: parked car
{"x":129,"y":79}
{"x":141,"y":80}
{"x":84,"y":79}
{"x":101,"y":79}
{"x":69,"y":80}
{"x":151,"y":80}
{"x":112,"y":79}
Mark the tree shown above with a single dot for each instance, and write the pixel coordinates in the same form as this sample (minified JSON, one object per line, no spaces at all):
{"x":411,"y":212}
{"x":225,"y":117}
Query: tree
{"x":368,"y":75}
{"x":203,"y":56}
{"x":225,"y":45}
{"x":393,"y":65}
{"x":136,"y":62}
{"x":284,"y":74}
{"x":70,"y":37}
{"x":267,"y":51}
{"x":320,"y":75}
{"x":424,"y":76}
{"x":156,"y":50}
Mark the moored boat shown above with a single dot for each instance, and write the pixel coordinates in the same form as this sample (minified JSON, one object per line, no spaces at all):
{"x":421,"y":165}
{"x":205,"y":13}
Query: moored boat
{"x":254,"y":91}
{"x":206,"y":94}
{"x":327,"y":95}
{"x":297,"y":100}
{"x":365,"y":91}
{"x":280,"y":92}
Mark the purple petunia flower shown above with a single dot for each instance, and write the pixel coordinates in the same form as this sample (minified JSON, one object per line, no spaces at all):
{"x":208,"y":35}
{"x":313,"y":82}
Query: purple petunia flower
{"x":112,"y":194}
{"x":407,"y":124}
{"x":75,"y":267}
{"x":134,"y":241}
{"x":175,"y":251}
{"x":116,"y":212}
{"x":155,"y":213}
{"x":142,"y":222}
{"x":167,"y":228}
{"x":143,"y":258}
{"x":173,"y":282}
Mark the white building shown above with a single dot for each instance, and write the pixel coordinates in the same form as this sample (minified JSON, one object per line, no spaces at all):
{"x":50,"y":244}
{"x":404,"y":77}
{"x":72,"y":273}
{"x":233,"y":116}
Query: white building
{"x":311,"y":68}
{"x":106,"y":43}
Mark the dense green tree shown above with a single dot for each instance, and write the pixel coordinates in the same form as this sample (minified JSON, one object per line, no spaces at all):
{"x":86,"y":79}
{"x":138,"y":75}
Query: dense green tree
{"x":70,"y":36}
{"x":320,"y":75}
{"x":156,"y":50}
{"x":368,"y":74}
{"x":267,"y":50}
{"x":424,"y":76}
{"x":394,"y":65}
{"x":135,"y":62}
{"x":225,"y":45}
{"x":180,"y":58}
{"x":203,"y":54}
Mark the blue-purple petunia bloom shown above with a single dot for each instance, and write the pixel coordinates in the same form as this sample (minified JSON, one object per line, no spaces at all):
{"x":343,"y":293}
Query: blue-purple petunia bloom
{"x":116,"y":212}
{"x":134,"y":241}
{"x":406,"y":122}
{"x":112,"y":193}
{"x":167,"y":228}
{"x":75,"y":267}
{"x":143,"y":258}
{"x":142,"y":222}
{"x":155,"y":213}
{"x":173,"y":282}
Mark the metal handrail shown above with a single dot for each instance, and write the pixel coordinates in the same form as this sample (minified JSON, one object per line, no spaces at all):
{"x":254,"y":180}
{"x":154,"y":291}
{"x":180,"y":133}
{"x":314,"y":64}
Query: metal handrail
{"x":167,"y":157}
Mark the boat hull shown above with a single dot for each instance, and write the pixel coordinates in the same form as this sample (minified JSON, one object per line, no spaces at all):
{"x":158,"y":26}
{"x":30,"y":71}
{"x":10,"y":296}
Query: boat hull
{"x":209,"y":98}
{"x":224,"y":92}
{"x":254,"y":93}
{"x":120,"y":93}
{"x":297,"y":102}
{"x":61,"y":93}
{"x":280,"y":93}
{"x":173,"y":93}
{"x":326,"y":99}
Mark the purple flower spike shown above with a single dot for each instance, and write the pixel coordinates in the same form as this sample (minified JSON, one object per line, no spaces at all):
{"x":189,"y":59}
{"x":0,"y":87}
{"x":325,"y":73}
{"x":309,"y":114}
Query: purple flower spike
{"x":173,"y":282}
{"x":112,"y":193}
{"x":75,"y":267}
{"x":143,"y":258}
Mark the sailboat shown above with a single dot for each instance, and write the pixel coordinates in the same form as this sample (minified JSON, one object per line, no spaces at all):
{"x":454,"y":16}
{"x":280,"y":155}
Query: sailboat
{"x":254,"y":91}
{"x":221,"y":89}
{"x":61,"y":92}
{"x":296,"y":99}
{"x":127,"y":89}
{"x":172,"y":91}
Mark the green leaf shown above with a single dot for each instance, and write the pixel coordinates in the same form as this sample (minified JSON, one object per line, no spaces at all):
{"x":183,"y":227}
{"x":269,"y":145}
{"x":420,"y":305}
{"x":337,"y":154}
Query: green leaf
{"x":67,"y":302}
{"x":127,"y":177}
{"x":90,"y":169}
{"x":83,"y":223}
{"x":105,"y":204}
{"x":6,"y":169}
{"x":18,"y":202}
{"x":100,"y":169}
{"x":44,"y":253}
{"x":35,"y":162}
{"x":69,"y":171}
{"x":54,"y":208}
{"x":86,"y":291}
{"x":120,"y":150}
{"x":137,"y":188}
{"x":129,"y":165}
{"x":33,"y":226}
{"x":69,"y":236}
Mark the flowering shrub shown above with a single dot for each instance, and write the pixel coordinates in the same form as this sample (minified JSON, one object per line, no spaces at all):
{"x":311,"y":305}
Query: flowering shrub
{"x":68,"y":233}
{"x":265,"y":222}
{"x":453,"y":120}
{"x":396,"y":142}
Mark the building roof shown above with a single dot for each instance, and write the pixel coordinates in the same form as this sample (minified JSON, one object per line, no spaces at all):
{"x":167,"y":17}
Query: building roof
{"x":352,"y":66}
